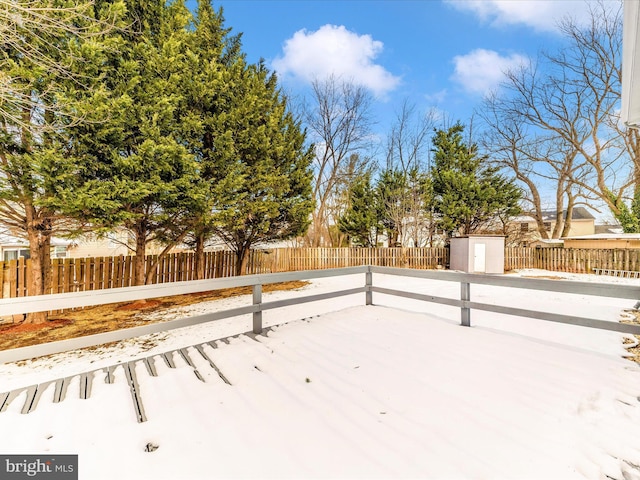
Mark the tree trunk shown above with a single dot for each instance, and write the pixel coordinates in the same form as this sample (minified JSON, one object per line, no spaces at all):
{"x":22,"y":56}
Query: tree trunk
{"x":139,"y":259}
{"x":199,"y":252}
{"x":39,"y":236}
{"x":557,"y":229}
{"x":242,"y":258}
{"x":567,"y":221}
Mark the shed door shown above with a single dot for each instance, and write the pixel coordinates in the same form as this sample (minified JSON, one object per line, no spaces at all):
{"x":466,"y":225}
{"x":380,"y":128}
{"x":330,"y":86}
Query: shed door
{"x":479,"y":257}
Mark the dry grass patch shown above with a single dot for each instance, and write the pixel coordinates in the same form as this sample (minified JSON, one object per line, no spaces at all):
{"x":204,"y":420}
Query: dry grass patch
{"x":115,"y":316}
{"x":634,"y":347}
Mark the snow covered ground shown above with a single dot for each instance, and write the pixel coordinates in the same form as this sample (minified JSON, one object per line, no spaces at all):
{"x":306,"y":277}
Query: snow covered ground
{"x":340,"y":390}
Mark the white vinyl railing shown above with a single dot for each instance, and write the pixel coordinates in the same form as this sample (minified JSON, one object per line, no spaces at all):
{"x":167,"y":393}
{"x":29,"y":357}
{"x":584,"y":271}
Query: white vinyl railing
{"x":61,"y":301}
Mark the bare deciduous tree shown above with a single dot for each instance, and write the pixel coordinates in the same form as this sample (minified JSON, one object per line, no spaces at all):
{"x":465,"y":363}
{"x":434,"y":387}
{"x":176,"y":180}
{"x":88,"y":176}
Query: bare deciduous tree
{"x":339,"y":124}
{"x":407,"y":150}
{"x":544,"y":165}
{"x":557,"y":121}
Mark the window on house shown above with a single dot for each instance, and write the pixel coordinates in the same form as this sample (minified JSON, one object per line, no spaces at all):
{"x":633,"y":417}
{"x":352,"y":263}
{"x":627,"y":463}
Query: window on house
{"x":524,"y":227}
{"x":15,"y":253}
{"x":60,"y":251}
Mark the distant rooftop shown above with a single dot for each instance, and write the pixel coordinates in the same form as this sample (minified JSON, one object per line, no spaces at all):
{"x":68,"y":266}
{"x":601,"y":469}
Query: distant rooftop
{"x":617,"y":229}
{"x":578,"y":213}
{"x":12,"y":241}
{"x":608,"y":236}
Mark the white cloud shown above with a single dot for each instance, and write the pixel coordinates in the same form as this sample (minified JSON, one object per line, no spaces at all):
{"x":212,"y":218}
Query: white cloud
{"x":334,"y":50}
{"x":436,"y":98}
{"x":481,"y":71}
{"x":539,"y":15}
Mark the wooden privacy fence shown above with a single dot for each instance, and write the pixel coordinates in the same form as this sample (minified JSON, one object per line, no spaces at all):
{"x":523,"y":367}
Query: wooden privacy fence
{"x":369,"y":287}
{"x":576,"y":260}
{"x":294,"y":259}
{"x":84,"y":274}
{"x":95,"y":273}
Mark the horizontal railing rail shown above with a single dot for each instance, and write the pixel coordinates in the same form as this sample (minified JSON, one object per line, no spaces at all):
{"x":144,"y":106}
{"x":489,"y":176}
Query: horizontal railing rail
{"x":628,"y":292}
{"x":60,"y":301}
{"x":100,"y":297}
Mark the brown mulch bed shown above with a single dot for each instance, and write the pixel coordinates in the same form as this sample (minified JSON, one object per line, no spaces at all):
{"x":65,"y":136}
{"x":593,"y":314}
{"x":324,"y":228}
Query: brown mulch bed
{"x":116,"y":316}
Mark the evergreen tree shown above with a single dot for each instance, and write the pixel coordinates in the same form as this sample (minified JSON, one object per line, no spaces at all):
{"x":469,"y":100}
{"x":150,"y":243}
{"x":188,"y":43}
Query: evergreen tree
{"x":260,"y":166}
{"x":360,"y":220}
{"x":137,"y":173}
{"x":35,"y":158}
{"x":403,"y":199}
{"x":468,"y":194}
{"x":206,"y":103}
{"x":629,"y":217}
{"x":391,"y":192}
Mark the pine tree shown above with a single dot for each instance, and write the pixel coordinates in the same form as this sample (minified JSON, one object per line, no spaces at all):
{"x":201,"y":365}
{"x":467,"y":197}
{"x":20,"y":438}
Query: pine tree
{"x":468,"y":194}
{"x":261,"y":174}
{"x":391,"y":190}
{"x":360,"y":220}
{"x":628,"y":216}
{"x":214,"y":51}
{"x":137,"y":173}
{"x":35,"y":158}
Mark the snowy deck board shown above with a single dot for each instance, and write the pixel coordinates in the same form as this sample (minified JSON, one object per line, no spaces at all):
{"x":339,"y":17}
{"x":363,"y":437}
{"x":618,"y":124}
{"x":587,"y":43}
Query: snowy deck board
{"x":359,"y":392}
{"x":131,"y":372}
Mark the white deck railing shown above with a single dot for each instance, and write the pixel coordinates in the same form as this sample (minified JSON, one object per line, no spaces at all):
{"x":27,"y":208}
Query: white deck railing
{"x":100,"y":297}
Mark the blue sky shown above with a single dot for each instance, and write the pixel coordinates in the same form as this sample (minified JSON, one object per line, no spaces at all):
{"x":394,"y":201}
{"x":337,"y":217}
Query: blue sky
{"x":442,"y":54}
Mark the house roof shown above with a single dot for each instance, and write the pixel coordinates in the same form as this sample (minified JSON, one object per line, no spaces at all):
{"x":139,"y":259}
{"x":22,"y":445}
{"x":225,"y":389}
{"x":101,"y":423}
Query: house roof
{"x":578,"y":213}
{"x":608,"y":236}
{"x":617,"y":229}
{"x":11,"y":241}
{"x":549,"y":241}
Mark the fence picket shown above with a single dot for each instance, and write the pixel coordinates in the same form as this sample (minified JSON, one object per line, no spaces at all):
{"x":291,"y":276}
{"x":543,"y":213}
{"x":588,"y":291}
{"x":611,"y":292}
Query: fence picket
{"x":77,"y":274}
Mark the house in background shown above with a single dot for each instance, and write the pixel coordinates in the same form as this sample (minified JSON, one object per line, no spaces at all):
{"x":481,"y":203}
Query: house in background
{"x":110,"y":245}
{"x":604,"y":240}
{"x":526,"y":228}
{"x":12,"y":248}
{"x":615,"y":229}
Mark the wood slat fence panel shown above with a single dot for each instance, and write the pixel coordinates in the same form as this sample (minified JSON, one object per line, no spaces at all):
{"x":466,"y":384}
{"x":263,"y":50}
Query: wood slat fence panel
{"x":78,"y":274}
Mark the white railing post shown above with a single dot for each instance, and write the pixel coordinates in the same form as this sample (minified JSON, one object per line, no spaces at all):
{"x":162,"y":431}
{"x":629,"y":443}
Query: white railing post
{"x":465,"y":296}
{"x":368,"y":282}
{"x":257,"y":316}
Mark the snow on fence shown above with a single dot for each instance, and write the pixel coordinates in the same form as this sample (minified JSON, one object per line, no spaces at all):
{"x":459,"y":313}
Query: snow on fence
{"x":13,"y":306}
{"x":84,"y":274}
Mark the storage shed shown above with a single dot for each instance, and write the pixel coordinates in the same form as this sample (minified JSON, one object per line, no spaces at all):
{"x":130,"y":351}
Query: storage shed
{"x":478,"y":254}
